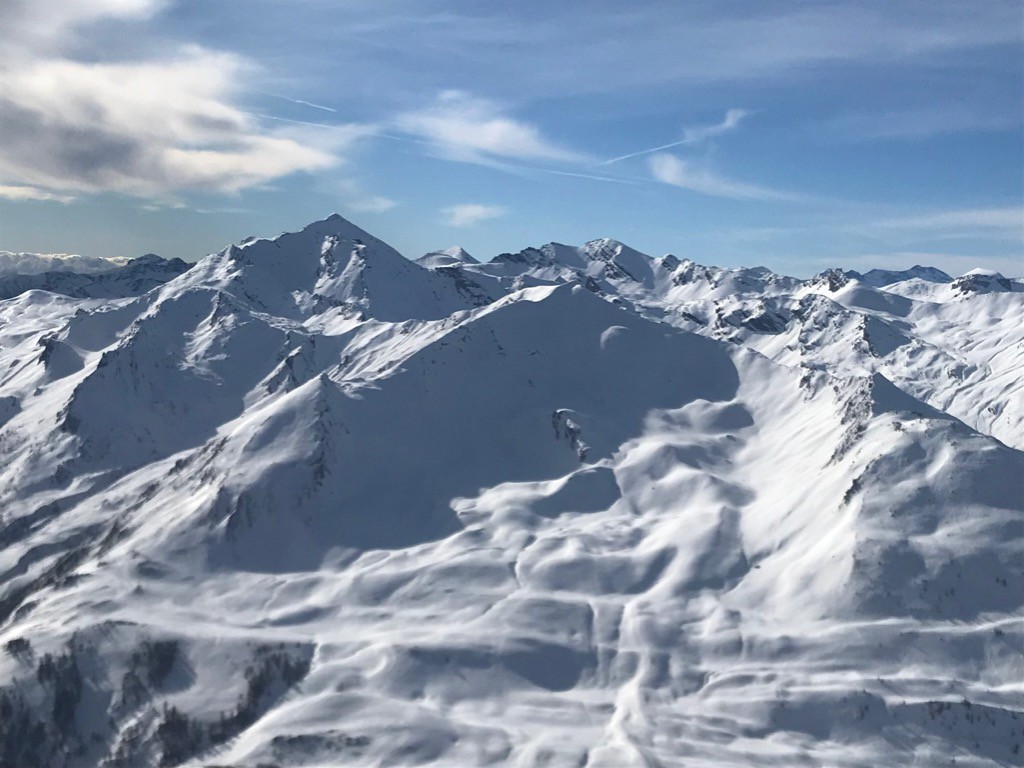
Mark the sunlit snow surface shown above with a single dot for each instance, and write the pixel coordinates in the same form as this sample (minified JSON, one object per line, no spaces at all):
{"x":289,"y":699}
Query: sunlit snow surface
{"x":312,"y":504}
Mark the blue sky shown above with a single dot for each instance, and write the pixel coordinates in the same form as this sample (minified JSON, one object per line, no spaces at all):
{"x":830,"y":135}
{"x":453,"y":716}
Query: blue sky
{"x":795,"y":135}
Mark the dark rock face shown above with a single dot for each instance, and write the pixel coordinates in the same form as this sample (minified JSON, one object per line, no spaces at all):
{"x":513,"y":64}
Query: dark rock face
{"x":833,"y":279}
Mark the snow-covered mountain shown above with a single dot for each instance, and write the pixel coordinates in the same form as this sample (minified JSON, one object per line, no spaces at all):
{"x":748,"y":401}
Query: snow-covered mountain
{"x":985,"y":281}
{"x":446,"y":258}
{"x":879,"y":278}
{"x":133,"y":278}
{"x":311,"y":503}
{"x":12,"y":263}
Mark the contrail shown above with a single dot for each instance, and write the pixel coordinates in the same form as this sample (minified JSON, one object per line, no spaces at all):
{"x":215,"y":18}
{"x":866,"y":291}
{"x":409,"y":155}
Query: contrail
{"x":691,"y":135}
{"x":296,"y":122}
{"x":298,"y":101}
{"x":643,"y":152}
{"x":615,"y":179}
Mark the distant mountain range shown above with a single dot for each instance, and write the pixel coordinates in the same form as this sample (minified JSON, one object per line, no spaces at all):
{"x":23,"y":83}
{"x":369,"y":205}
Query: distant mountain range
{"x":882,"y":277}
{"x":12,"y":263}
{"x":132,"y":278}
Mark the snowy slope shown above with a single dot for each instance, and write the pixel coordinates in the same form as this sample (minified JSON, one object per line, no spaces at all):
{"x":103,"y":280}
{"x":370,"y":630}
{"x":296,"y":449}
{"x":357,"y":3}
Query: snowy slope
{"x":953,"y":343}
{"x":312,"y":504}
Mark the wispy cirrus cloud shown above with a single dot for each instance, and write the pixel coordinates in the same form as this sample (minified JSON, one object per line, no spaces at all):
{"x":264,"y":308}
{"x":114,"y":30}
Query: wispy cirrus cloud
{"x":520,"y":48}
{"x":468,"y":214}
{"x":704,"y":132}
{"x":1009,"y":220}
{"x":918,"y":123}
{"x":353,"y":196}
{"x":373,"y":204}
{"x":686,"y":174}
{"x":471,"y":129}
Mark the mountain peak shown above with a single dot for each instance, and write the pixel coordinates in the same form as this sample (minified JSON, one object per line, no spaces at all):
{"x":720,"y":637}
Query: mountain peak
{"x":148,"y":258}
{"x":603,"y":242}
{"x":446,"y":258}
{"x":879,"y":278}
{"x":12,"y":263}
{"x":985,"y":281}
{"x":338,"y":226}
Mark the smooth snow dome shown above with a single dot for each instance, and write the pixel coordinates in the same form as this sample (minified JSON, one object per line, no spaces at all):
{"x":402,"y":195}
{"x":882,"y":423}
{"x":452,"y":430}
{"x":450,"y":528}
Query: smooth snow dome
{"x":309,"y":503}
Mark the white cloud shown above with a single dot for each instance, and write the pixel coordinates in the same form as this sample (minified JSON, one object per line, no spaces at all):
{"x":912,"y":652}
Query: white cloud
{"x":355,"y":197}
{"x":21,"y":192}
{"x":149,"y":128}
{"x":472,"y":129}
{"x":670,"y":169}
{"x":703,"y":133}
{"x":373,"y":204}
{"x":468,"y":214}
{"x":31,"y":23}
{"x":36,"y":263}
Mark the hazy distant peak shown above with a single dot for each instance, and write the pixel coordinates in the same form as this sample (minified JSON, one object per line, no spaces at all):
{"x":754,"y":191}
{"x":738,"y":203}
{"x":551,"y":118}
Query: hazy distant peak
{"x":121,"y":278}
{"x":446,"y":258}
{"x":878,"y":278}
{"x":12,"y":263}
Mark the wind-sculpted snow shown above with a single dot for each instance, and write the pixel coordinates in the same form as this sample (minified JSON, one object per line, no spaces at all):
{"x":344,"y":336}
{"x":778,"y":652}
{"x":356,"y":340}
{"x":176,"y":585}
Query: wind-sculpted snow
{"x":311,"y":504}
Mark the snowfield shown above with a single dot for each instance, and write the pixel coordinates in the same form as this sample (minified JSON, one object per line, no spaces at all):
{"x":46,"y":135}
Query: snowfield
{"x":309,"y":503}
